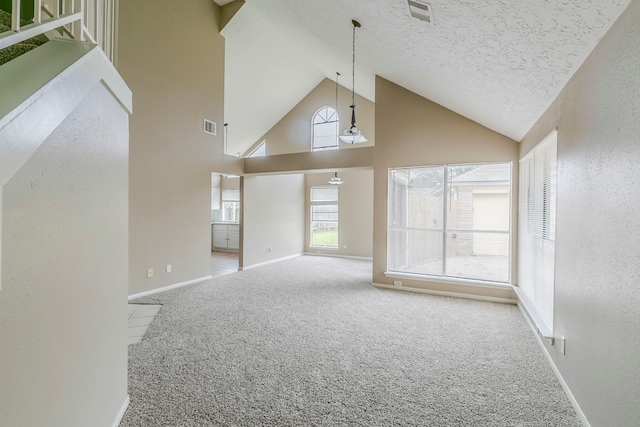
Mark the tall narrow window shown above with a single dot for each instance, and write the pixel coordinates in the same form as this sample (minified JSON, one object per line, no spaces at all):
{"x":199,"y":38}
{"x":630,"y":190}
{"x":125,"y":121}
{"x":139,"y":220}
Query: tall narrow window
{"x":537,"y":232}
{"x":325,"y":129}
{"x":324,"y":216}
{"x":230,"y":205}
{"x":451,"y":221}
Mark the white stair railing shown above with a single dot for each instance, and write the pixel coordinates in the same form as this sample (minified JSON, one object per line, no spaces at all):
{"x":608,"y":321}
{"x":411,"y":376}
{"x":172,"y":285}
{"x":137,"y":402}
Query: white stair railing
{"x":83,"y":20}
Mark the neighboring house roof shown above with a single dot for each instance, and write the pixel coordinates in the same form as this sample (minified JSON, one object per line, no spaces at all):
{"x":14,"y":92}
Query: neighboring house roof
{"x":494,"y":173}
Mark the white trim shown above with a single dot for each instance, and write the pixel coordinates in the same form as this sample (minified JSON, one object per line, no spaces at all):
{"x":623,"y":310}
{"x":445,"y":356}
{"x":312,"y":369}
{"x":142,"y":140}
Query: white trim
{"x":250,"y":267}
{"x":123,"y":409}
{"x":554,"y":368}
{"x":449,"y":280}
{"x":365,"y":258}
{"x":168,"y":288}
{"x":540,"y":325}
{"x":33,"y":30}
{"x":444,"y":293}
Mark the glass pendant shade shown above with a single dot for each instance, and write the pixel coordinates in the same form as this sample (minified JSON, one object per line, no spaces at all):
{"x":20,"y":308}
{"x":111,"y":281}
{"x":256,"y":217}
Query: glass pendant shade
{"x":335,"y":180}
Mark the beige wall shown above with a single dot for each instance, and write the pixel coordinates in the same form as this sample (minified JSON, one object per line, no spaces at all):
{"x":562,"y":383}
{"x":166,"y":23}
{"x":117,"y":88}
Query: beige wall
{"x":63,"y":342}
{"x":292,"y":134}
{"x":597,"y":303}
{"x":413,"y":131}
{"x":355,"y":212}
{"x":232,"y":183}
{"x":273,"y":217}
{"x":319,"y":161}
{"x":173,"y":61}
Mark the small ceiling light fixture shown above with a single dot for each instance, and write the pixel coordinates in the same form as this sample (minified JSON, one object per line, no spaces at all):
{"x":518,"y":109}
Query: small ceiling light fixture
{"x":335,"y":180}
{"x":421,"y":10}
{"x":353,"y":135}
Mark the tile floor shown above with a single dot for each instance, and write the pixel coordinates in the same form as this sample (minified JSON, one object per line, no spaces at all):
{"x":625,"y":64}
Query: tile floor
{"x":141,"y":315}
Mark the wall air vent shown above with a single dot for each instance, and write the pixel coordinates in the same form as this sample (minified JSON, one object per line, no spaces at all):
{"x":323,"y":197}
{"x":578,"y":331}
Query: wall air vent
{"x":209,"y":127}
{"x":421,"y":10}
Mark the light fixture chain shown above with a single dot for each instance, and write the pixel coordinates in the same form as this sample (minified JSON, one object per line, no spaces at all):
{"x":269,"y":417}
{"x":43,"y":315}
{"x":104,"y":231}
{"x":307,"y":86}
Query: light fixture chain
{"x":337,"y":75}
{"x":353,"y":69}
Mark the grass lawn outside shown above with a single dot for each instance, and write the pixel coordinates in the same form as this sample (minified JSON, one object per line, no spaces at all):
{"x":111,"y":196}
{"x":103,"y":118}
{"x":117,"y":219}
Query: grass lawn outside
{"x":325,"y":238}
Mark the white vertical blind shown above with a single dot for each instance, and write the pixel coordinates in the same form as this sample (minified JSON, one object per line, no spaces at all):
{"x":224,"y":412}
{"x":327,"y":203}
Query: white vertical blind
{"x":537,"y":210}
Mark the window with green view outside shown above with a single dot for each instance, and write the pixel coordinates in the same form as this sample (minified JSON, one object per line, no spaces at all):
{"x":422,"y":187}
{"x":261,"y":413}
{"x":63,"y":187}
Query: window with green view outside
{"x":324,"y":217}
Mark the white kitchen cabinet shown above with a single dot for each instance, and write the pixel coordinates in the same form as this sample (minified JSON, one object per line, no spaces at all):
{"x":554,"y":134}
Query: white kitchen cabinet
{"x":226,"y":236}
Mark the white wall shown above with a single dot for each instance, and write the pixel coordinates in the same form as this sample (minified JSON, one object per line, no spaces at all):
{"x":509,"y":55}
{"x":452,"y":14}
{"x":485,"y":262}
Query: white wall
{"x":63,"y":304}
{"x":597,"y":296}
{"x":273,"y":217}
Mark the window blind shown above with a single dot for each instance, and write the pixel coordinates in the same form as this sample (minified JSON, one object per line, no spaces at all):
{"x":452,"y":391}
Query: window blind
{"x":537,"y":219}
{"x":324,"y":194}
{"x":324,"y":217}
{"x":231,"y":195}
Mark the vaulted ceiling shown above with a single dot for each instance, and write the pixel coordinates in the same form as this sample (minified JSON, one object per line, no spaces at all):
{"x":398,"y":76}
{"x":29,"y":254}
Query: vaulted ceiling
{"x":498,"y":62}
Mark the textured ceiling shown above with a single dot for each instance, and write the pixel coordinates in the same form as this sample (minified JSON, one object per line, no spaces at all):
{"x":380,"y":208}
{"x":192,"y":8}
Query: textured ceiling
{"x":498,"y":62}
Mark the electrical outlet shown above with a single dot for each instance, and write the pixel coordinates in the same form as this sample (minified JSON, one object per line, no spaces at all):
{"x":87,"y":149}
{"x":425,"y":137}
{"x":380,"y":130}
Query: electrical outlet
{"x":168,"y":268}
{"x":150,"y":272}
{"x":397,"y":283}
{"x":562,"y":344}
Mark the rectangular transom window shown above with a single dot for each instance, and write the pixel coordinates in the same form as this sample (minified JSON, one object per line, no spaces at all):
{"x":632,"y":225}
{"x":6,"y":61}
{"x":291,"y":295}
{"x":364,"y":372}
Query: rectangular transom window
{"x":324,"y":216}
{"x":451,"y":221}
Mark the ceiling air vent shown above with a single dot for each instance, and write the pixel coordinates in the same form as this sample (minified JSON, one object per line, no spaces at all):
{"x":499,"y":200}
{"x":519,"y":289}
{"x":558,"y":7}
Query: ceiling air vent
{"x":421,"y":10}
{"x":209,"y":127}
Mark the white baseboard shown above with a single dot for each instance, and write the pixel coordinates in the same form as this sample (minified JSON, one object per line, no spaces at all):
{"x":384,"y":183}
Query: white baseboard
{"x":449,"y":280}
{"x":167,"y":288}
{"x":120,"y":415}
{"x":444,"y":293}
{"x":249,"y":267}
{"x":364,"y":258}
{"x":565,"y":387}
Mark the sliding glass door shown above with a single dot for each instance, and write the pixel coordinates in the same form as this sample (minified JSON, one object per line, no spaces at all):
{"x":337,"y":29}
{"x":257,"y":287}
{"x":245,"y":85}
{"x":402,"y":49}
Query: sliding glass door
{"x":451,"y":221}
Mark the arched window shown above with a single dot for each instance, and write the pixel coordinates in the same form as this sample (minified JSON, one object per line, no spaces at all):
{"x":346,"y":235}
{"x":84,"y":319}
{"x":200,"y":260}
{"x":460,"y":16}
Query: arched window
{"x":325,"y":130}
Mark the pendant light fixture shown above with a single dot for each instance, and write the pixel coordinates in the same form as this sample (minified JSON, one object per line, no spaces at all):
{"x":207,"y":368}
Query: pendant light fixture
{"x":335,"y":180}
{"x":337,"y":114}
{"x":353,"y":135}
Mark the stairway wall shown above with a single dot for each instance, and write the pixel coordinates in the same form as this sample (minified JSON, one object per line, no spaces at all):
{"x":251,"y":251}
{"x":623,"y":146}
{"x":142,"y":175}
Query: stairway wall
{"x":63,"y":342}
